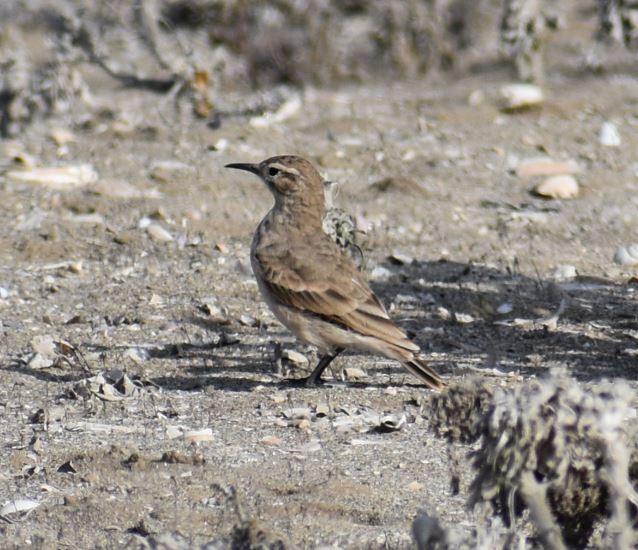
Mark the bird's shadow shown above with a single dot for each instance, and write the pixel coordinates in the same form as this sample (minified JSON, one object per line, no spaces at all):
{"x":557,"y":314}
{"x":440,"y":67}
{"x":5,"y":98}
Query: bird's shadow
{"x":462,"y":315}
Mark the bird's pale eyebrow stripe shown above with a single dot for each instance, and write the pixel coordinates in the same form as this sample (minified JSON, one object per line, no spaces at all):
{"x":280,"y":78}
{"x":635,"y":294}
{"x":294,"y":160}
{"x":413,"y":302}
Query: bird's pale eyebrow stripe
{"x":287,"y":169}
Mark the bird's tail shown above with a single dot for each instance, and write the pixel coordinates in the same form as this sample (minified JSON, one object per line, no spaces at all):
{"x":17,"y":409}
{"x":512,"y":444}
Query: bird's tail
{"x":425,"y":373}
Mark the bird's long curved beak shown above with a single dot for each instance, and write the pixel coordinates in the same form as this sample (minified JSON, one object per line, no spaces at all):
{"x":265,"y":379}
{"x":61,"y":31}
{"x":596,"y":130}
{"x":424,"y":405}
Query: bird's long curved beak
{"x":253,"y":168}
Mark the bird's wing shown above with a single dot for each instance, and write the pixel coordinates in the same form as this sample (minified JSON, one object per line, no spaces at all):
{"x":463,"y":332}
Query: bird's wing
{"x":328,"y":285}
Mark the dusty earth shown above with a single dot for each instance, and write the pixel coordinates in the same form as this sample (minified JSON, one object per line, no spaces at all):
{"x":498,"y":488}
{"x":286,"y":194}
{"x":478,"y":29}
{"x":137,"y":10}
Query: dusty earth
{"x":460,"y":250}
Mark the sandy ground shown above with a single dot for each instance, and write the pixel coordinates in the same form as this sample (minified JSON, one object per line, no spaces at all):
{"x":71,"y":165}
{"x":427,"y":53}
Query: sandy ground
{"x":478,"y":261}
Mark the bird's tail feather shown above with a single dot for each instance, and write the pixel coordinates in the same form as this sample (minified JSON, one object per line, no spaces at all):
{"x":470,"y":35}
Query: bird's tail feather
{"x":424,"y":372}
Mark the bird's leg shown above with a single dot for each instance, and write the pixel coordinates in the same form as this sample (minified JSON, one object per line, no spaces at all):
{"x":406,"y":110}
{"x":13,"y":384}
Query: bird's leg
{"x":315,"y":376}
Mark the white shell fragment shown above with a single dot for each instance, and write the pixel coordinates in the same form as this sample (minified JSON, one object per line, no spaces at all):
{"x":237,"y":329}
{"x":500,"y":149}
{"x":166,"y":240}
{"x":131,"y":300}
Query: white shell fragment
{"x":609,"y":135}
{"x":521,"y":96}
{"x":546,"y":166}
{"x":158,"y":233}
{"x":626,"y":255}
{"x":61,"y":178}
{"x":558,"y":187}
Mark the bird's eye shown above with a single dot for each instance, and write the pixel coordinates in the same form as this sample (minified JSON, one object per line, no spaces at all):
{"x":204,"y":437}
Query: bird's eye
{"x":273,"y":171}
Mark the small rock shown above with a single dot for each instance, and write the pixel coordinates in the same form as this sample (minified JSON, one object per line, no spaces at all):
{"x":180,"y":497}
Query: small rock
{"x":295,"y":357}
{"x":609,"y":135}
{"x":271,"y":440}
{"x":287,"y":110}
{"x":444,"y":313}
{"x":463,"y":318}
{"x":415,"y":487}
{"x":44,"y":345}
{"x":248,"y":321}
{"x":564,"y":273}
{"x":521,"y":96}
{"x":475,"y":98}
{"x":169,"y":170}
{"x":399,"y":258}
{"x":626,"y":255}
{"x":504,"y":309}
{"x":119,"y":189}
{"x":39,"y":361}
{"x":60,"y":178}
{"x":380,"y":273}
{"x":158,"y":233}
{"x":545,"y":166}
{"x":354,"y":373}
{"x":62,"y":136}
{"x":558,"y":187}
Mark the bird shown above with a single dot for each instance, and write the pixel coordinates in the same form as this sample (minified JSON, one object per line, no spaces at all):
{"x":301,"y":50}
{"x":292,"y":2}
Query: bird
{"x":311,"y":286}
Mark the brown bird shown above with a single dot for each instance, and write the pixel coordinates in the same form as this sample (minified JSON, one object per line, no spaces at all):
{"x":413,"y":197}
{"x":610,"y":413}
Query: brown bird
{"x":310,"y":285}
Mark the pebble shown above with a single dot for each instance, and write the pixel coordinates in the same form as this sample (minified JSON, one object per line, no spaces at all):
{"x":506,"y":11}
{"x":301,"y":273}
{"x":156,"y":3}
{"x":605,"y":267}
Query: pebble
{"x":504,"y":309}
{"x":546,"y":166}
{"x":626,"y":255}
{"x":354,"y":373}
{"x":119,"y":189}
{"x":558,"y":187}
{"x":521,"y":96}
{"x":399,"y":258}
{"x":564,"y":273}
{"x":62,"y":136}
{"x":288,"y":110}
{"x":61,"y":178}
{"x":248,"y":321}
{"x":295,"y":357}
{"x":169,"y":170}
{"x":380,"y":273}
{"x":609,"y":135}
{"x":158,"y":233}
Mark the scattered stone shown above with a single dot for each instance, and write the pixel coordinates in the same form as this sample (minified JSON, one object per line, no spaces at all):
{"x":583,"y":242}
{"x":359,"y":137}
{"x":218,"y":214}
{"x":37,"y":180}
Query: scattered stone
{"x":62,"y":136}
{"x":271,"y":440}
{"x":60,"y":178}
{"x":295,"y":357}
{"x":518,"y":97}
{"x":546,"y":166}
{"x":40,"y":361}
{"x":354,"y":373}
{"x":119,"y":189}
{"x":563,"y":273}
{"x":380,"y":273}
{"x":170,"y":170}
{"x":248,"y":321}
{"x":399,"y":258}
{"x":504,"y":309}
{"x":288,"y":109}
{"x":158,"y":233}
{"x":463,"y":318}
{"x":609,"y":135}
{"x":558,"y":187}
{"x":475,"y":98}
{"x":216,"y":312}
{"x":626,"y":255}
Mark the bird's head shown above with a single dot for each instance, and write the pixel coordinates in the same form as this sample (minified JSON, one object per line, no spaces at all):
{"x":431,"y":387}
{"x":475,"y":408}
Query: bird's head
{"x":292,"y":180}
